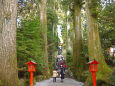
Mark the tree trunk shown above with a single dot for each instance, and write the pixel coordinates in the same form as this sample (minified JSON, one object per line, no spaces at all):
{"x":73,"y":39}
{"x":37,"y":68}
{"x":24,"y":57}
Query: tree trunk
{"x":66,"y":33}
{"x":68,"y":38}
{"x":8,"y":59}
{"x":43,"y":17}
{"x":77,"y":41}
{"x":94,"y":46}
{"x":53,"y":28}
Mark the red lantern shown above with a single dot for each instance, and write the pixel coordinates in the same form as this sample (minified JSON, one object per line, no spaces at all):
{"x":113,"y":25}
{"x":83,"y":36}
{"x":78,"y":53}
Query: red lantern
{"x":31,"y":69}
{"x":93,"y":68}
{"x":31,"y":66}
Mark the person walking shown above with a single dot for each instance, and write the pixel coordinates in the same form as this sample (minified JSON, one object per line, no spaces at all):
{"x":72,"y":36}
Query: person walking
{"x":56,"y":67}
{"x":55,"y":74}
{"x":62,"y":73}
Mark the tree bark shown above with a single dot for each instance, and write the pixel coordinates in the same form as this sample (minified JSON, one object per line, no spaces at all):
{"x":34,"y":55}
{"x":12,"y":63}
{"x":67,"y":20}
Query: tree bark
{"x":77,"y":41}
{"x":67,"y":46}
{"x":94,"y":46}
{"x":53,"y":28}
{"x":43,"y":18}
{"x":8,"y":59}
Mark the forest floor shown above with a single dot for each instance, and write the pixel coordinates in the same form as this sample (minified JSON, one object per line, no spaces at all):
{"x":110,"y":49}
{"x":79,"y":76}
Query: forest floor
{"x":67,"y":82}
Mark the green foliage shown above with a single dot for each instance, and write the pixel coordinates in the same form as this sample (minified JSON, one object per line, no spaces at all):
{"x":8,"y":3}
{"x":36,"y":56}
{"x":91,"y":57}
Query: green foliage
{"x":51,"y":16}
{"x":69,"y":59}
{"x":107,"y":27}
{"x":28,"y":8}
{"x":112,"y":77}
{"x":52,"y":19}
{"x":30,"y":40}
{"x":29,"y":43}
{"x":29,"y":37}
{"x":51,"y":3}
{"x":66,"y":4}
{"x":94,"y":6}
{"x":69,"y":63}
{"x":79,"y":2}
{"x":107,"y":18}
{"x":114,"y":61}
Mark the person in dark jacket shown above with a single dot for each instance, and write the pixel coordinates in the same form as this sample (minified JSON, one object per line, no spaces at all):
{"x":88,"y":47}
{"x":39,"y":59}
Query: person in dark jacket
{"x":62,"y":74}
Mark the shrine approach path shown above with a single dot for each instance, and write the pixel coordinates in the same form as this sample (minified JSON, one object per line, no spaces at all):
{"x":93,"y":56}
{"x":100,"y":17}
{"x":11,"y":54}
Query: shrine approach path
{"x":67,"y":82}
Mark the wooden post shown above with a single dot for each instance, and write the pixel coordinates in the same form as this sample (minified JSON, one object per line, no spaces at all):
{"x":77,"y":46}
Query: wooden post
{"x":31,"y":69}
{"x":31,"y":78}
{"x":94,"y":79}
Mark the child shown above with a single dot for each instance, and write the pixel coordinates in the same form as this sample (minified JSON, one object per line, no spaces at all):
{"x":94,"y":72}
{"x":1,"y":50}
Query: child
{"x":55,"y":74}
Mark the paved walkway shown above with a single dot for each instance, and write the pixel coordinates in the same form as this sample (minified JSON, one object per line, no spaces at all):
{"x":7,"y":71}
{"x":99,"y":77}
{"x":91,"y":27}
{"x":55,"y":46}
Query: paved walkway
{"x":67,"y":82}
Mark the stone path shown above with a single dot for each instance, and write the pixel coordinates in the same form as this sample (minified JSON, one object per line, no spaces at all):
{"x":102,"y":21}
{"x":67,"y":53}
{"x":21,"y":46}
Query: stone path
{"x":67,"y":82}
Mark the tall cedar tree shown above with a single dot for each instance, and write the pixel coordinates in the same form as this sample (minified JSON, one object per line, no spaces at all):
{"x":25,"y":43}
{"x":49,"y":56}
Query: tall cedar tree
{"x":94,"y":45}
{"x":8,"y":60}
{"x":43,"y":18}
{"x":77,"y":40}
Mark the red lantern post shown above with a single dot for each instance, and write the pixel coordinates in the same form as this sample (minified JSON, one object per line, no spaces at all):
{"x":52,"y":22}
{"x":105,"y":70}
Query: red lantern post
{"x":31,"y":69}
{"x":93,"y":68}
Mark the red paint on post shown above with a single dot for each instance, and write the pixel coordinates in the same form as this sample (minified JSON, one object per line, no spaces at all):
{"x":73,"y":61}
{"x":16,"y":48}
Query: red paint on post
{"x":31,"y":69}
{"x":94,"y":79}
{"x":93,"y":68}
{"x":31,"y":78}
